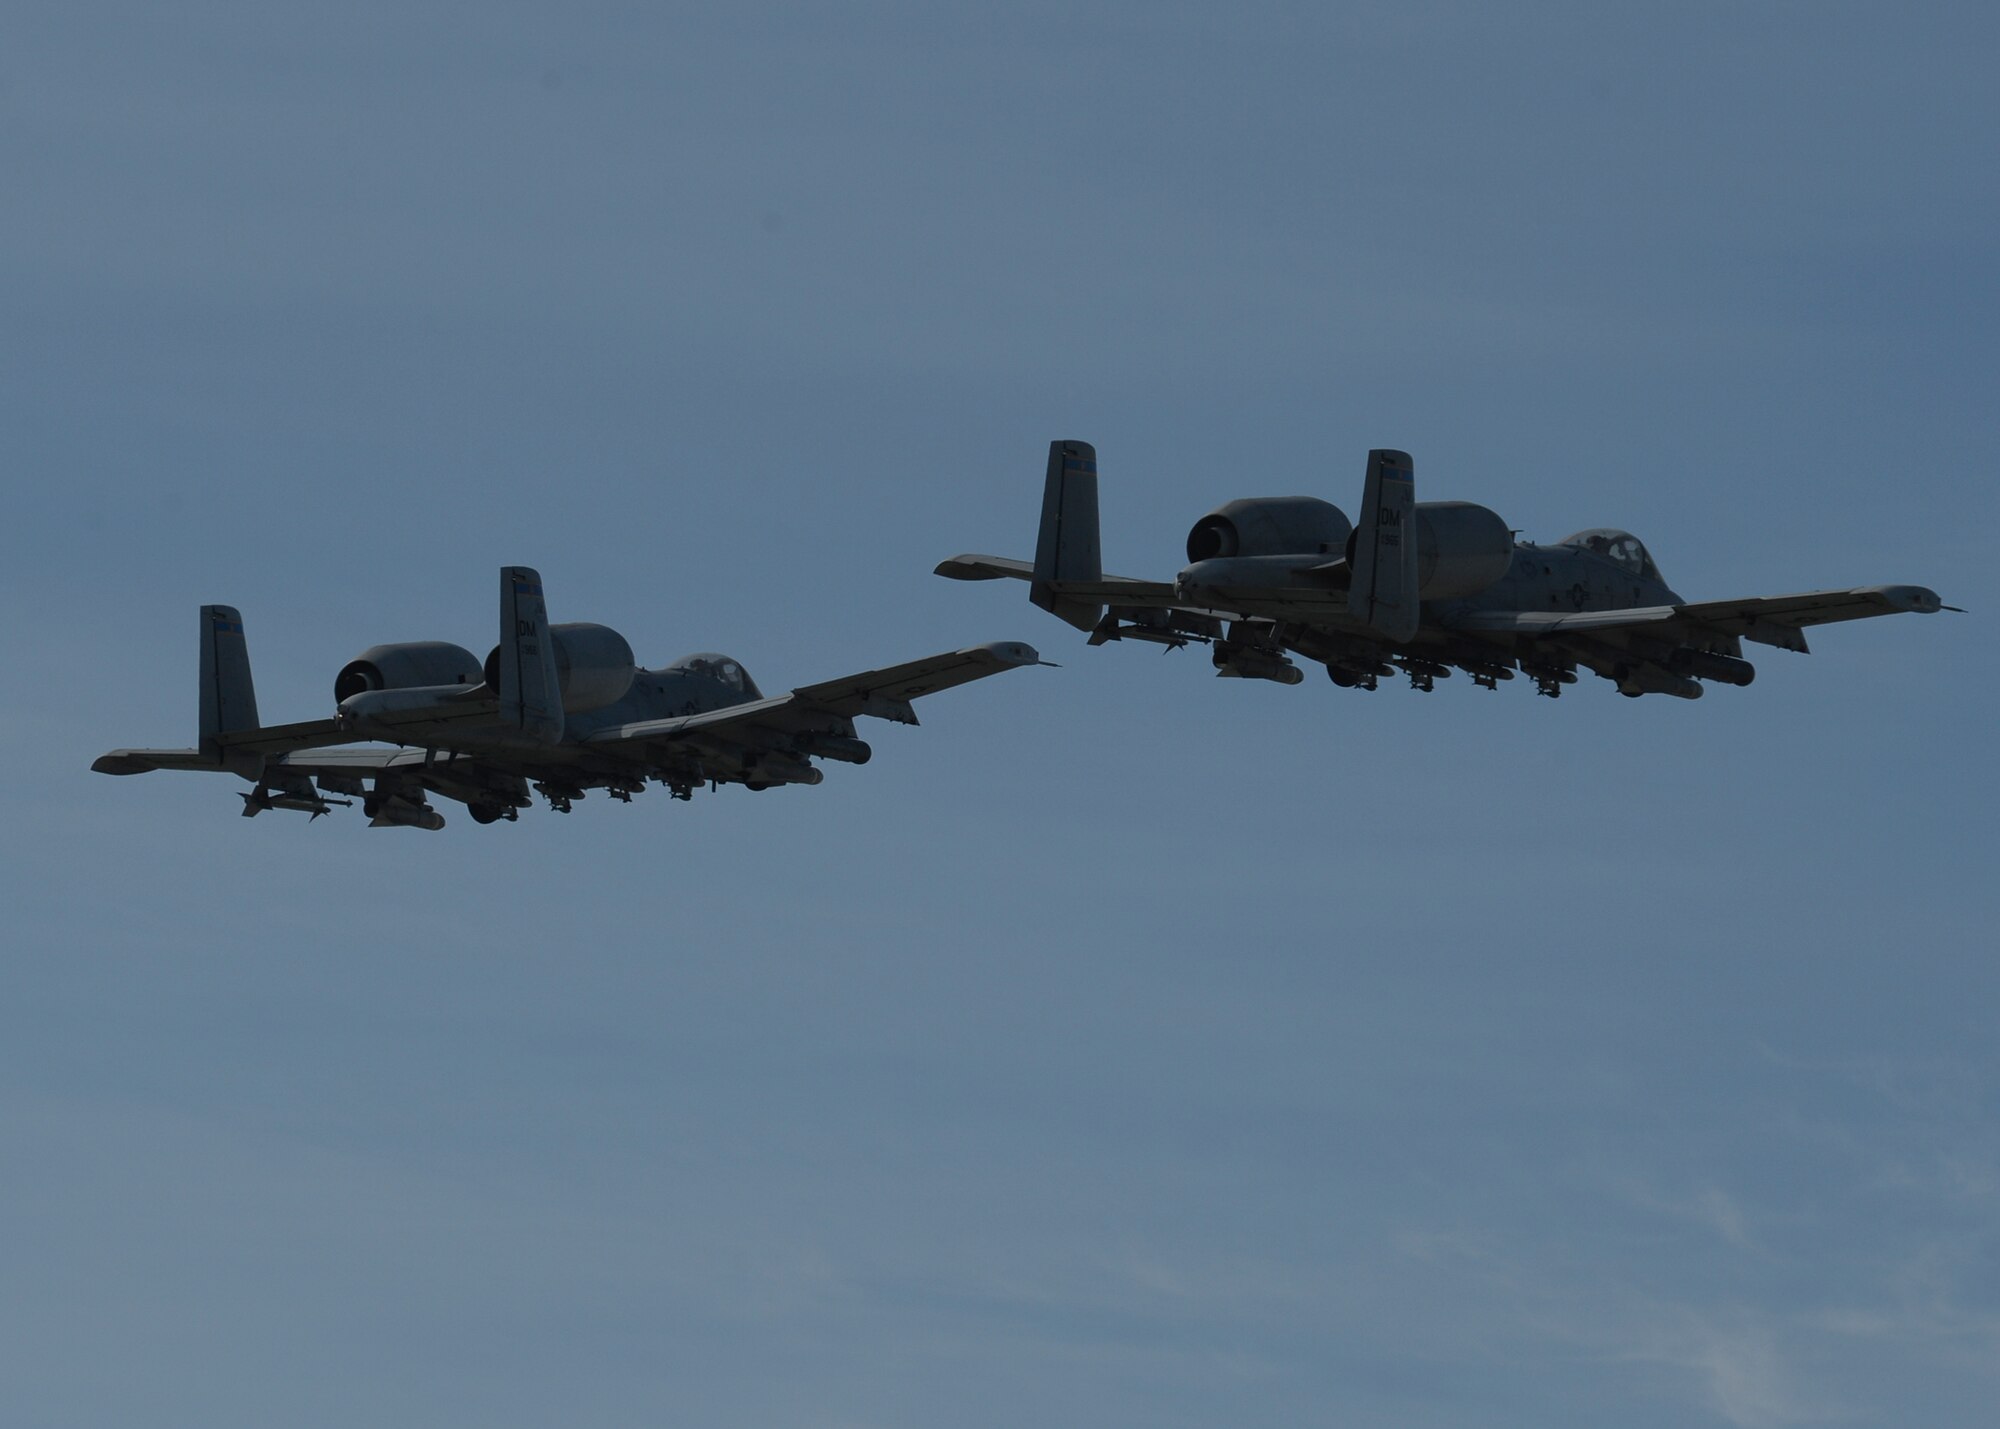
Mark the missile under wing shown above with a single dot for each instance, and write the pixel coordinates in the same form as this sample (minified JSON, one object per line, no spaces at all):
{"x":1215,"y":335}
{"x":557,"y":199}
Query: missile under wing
{"x":1427,"y":588}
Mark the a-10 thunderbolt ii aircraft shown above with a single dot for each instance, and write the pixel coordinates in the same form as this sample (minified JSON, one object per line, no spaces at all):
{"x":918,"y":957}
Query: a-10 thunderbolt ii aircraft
{"x":561,"y":707}
{"x":1422,"y":587}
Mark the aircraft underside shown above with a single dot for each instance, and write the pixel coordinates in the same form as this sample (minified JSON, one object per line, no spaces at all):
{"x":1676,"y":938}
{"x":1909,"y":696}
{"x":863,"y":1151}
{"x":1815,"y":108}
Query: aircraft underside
{"x":1421,"y":589}
{"x":1262,"y":649}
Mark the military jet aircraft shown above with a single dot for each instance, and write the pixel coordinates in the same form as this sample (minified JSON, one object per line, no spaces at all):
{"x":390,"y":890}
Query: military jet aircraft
{"x":561,"y":707}
{"x":1420,"y":587}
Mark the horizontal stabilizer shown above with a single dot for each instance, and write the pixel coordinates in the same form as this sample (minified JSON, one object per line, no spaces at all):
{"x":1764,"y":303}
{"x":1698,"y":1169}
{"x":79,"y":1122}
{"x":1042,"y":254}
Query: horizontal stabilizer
{"x":984,"y":568}
{"x":145,"y":761}
{"x":237,"y":747}
{"x":1100,"y":590}
{"x":231,"y":736}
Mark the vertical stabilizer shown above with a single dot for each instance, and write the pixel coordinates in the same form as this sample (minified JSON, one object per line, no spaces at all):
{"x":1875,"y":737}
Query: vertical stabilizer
{"x":228,"y":699}
{"x":529,"y":688}
{"x":1383,"y":594}
{"x":1067,"y":549}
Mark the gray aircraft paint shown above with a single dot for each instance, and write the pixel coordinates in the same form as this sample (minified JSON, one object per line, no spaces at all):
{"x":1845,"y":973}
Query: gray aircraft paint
{"x":561,"y":709}
{"x":1422,"y":587}
{"x":1382,"y":585}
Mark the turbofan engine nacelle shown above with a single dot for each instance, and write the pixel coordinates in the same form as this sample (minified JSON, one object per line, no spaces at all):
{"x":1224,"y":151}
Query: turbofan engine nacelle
{"x":1462,"y":548}
{"x":593,"y":666}
{"x":406,"y":666}
{"x":1270,"y":526}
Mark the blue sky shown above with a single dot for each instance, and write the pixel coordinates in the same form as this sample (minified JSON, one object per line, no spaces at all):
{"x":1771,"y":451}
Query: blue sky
{"x":1124,"y":1046}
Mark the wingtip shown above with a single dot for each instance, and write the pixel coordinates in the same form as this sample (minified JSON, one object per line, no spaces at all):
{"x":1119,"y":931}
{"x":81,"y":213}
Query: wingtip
{"x":966,"y":566}
{"x":1920,"y":599}
{"x":1012,"y":653}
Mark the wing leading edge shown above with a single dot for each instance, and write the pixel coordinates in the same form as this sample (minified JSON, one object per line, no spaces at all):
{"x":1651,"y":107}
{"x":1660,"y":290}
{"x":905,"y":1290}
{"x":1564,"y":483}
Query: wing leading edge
{"x":1778,"y":620}
{"x":884,"y":694}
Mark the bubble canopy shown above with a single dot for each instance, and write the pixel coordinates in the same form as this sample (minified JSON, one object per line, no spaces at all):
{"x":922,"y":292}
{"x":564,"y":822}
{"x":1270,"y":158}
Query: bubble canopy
{"x":720,"y":668}
{"x":1621,"y":547}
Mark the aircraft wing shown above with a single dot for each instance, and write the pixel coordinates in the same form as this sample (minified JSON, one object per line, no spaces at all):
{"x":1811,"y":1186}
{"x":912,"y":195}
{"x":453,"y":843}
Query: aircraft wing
{"x":885,"y":694}
{"x":1777,"y":620}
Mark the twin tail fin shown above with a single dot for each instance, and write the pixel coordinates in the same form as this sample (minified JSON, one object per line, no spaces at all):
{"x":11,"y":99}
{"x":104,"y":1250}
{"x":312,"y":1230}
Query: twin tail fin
{"x":1383,"y":556}
{"x":528,"y":684}
{"x":1068,"y":548}
{"x":228,"y":696}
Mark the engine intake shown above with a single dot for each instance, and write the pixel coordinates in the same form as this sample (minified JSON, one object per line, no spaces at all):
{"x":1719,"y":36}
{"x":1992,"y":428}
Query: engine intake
{"x":406,"y":666}
{"x":593,"y":666}
{"x":1270,"y":526}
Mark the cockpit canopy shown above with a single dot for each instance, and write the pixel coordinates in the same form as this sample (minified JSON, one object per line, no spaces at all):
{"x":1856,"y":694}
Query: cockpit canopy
{"x":720,"y":668}
{"x":1620,"y":546}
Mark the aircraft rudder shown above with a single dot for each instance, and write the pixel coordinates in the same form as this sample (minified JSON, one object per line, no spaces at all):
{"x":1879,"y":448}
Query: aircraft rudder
{"x":1383,"y":589}
{"x":529,"y":686}
{"x":1067,"y":547}
{"x":228,"y":694}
